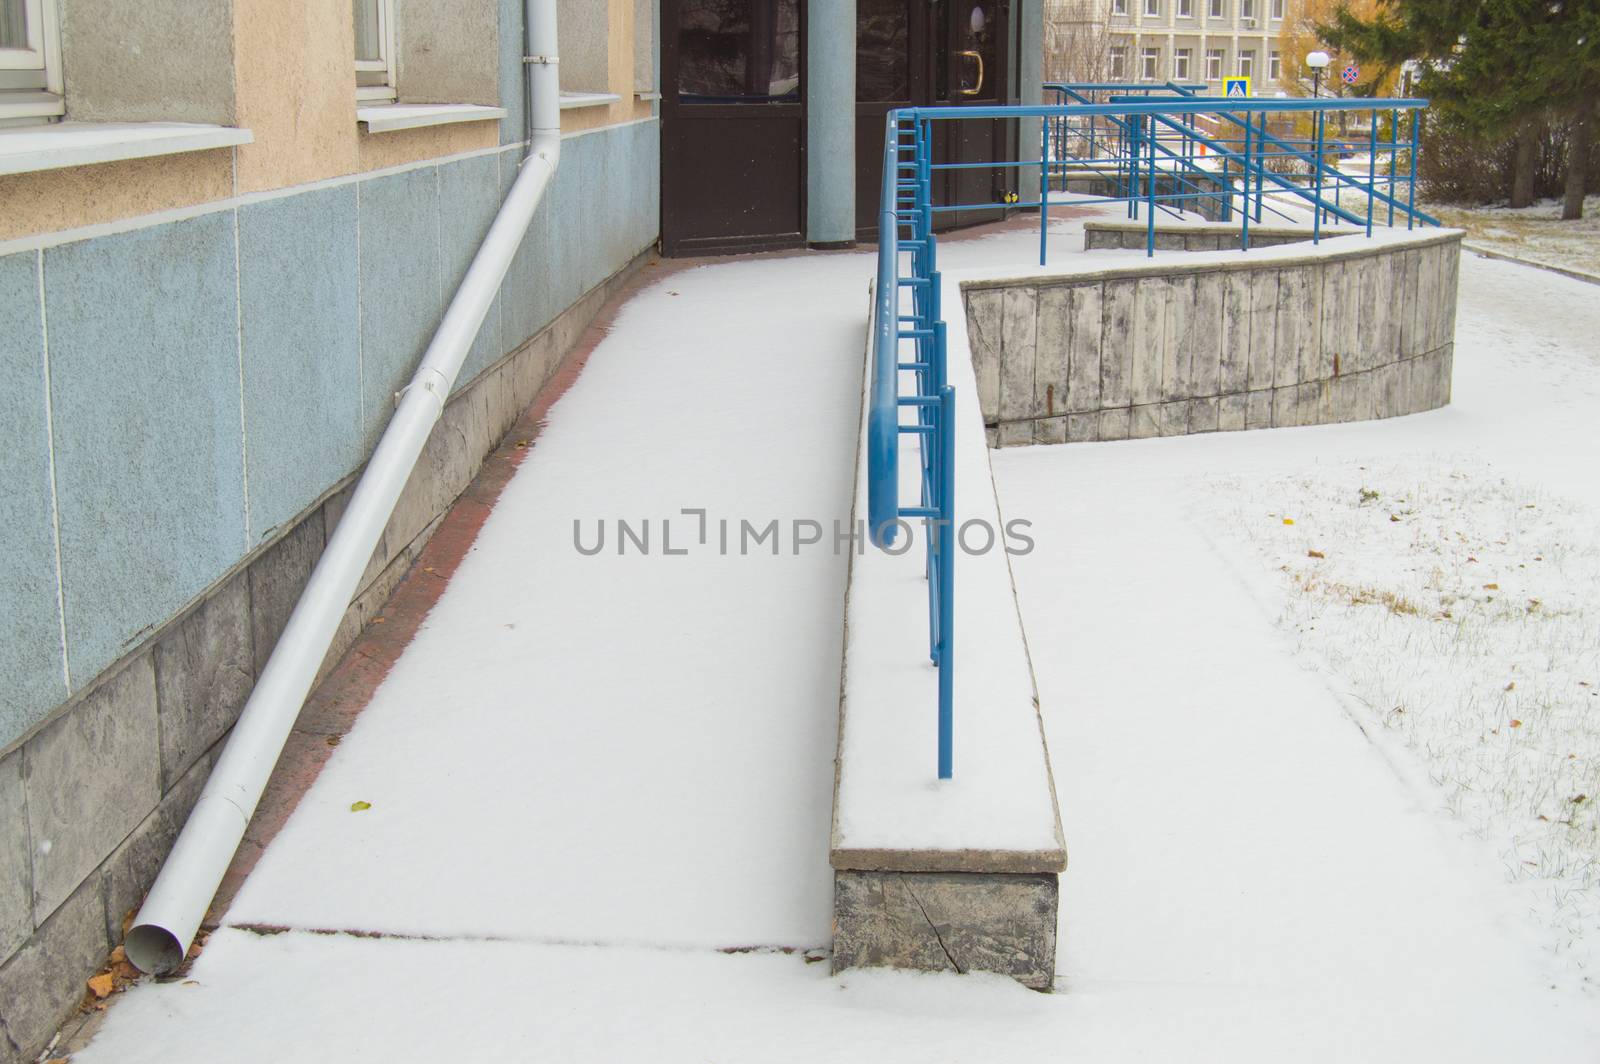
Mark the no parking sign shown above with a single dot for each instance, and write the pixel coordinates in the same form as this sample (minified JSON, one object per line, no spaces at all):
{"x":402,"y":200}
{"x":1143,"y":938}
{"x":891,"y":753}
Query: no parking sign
{"x":1350,"y":73}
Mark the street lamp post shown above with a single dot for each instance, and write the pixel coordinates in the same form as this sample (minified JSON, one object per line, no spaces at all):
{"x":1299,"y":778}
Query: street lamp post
{"x":1318,"y":62}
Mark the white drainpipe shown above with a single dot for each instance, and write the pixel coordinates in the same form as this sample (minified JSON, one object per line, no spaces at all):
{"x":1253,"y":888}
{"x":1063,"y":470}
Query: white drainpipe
{"x":172,"y":912}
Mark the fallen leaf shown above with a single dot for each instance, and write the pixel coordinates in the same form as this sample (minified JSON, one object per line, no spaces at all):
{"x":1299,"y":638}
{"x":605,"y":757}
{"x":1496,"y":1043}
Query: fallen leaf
{"x":1491,"y":587}
{"x":1288,"y":520}
{"x":1512,"y":686}
{"x":1392,"y":517}
{"x":357,"y":807}
{"x":1580,"y":799}
{"x":100,"y":986}
{"x":333,"y":740}
{"x":379,"y":620}
{"x":1516,"y":724}
{"x":1315,"y":554}
{"x":191,"y":982}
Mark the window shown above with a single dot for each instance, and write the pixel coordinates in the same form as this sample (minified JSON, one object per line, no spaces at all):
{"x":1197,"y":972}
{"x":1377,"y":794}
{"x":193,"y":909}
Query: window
{"x":1119,"y":63}
{"x":1275,"y":65}
{"x":1149,"y":61}
{"x":1214,"y":64}
{"x":1152,"y":8}
{"x":374,"y":49}
{"x":1247,"y":10}
{"x":1217,"y":9}
{"x":1185,"y":8}
{"x":30,"y":60}
{"x":1277,"y":8}
{"x":1247,"y":63}
{"x":1180,"y":65}
{"x":1119,"y":7}
{"x":745,"y":52}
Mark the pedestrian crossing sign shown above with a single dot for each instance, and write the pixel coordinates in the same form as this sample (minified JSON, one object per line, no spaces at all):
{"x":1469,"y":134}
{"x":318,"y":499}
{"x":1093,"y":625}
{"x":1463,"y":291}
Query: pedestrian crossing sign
{"x":1236,"y":86}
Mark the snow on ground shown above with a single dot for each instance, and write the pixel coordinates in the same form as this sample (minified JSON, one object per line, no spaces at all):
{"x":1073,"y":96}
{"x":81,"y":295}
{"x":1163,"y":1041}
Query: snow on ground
{"x":1457,"y":609}
{"x":1535,"y":233}
{"x":589,"y":775}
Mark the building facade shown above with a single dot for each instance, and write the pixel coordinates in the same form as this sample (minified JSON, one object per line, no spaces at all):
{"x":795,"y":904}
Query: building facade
{"x":1195,"y":41}
{"x":227,"y":232}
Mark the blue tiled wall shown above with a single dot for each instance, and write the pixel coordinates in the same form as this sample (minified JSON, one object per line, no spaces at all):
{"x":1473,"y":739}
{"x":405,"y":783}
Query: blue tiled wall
{"x":31,"y":673}
{"x":149,"y":448}
{"x":208,"y":379}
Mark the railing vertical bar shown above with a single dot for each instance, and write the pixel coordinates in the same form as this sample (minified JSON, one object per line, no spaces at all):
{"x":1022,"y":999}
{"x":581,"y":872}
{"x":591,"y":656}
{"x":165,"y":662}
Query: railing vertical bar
{"x":1316,"y":215}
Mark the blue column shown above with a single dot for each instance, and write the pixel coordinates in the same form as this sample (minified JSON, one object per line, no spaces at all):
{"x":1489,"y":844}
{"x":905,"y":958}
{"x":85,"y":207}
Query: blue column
{"x":830,"y":86}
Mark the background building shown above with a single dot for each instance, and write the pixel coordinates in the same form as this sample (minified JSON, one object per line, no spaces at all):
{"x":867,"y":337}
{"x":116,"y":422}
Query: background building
{"x":1167,"y":40}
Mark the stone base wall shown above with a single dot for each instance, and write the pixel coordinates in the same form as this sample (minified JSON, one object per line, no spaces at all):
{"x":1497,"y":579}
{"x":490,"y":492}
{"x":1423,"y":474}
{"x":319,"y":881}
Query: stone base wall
{"x":109,"y":780}
{"x":1347,"y":332}
{"x":1133,"y":236}
{"x":1203,"y":191}
{"x":947,"y":922}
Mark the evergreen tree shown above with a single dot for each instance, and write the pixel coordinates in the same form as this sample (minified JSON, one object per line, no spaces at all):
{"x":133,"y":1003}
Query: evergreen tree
{"x":1500,"y":66}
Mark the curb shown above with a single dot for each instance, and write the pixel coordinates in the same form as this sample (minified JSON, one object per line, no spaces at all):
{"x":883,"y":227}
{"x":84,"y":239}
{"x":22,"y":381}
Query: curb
{"x":1576,"y":275}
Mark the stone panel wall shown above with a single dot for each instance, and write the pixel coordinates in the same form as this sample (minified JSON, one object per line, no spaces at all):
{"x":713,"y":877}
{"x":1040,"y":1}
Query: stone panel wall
{"x":1133,"y":236}
{"x":1350,"y":332}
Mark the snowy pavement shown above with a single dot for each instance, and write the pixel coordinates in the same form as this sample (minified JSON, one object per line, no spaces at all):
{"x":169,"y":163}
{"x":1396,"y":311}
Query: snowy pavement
{"x":600,"y":786}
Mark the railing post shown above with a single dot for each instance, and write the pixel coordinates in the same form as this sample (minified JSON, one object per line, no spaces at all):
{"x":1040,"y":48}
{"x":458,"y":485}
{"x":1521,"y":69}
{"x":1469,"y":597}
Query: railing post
{"x":1372,"y":164}
{"x":1394,"y":151}
{"x":1244,"y":185}
{"x":1316,"y":215}
{"x":1261,"y":174}
{"x":1150,"y":192}
{"x":948,"y":544}
{"x":1411,"y":186}
{"x":1044,"y":186}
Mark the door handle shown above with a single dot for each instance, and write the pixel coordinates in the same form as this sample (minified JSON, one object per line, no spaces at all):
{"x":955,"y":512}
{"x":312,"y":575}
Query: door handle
{"x":978,"y":87}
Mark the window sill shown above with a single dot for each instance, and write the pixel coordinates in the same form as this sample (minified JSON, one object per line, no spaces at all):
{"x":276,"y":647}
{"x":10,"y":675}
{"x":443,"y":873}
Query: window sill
{"x":648,"y":95}
{"x":388,"y":117}
{"x":25,"y":149}
{"x":571,"y":101}
{"x":21,"y":106}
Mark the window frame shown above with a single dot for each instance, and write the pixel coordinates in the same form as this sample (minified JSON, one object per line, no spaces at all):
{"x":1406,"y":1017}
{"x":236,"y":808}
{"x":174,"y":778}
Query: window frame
{"x":1119,"y":7}
{"x":376,"y":90}
{"x":1180,"y":64}
{"x":1149,"y":64}
{"x":1217,"y":9}
{"x":1276,"y":10}
{"x":1247,"y":62}
{"x":1220,"y":57}
{"x":1119,"y":62}
{"x":1247,"y":10}
{"x":31,"y":85}
{"x":1185,"y":8}
{"x":1274,"y":65}
{"x":1152,"y":8}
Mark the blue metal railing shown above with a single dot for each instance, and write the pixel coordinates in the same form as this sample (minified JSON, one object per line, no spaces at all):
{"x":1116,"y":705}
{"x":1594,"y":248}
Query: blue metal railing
{"x":1150,"y":147}
{"x":907,"y":309}
{"x":1146,"y":143}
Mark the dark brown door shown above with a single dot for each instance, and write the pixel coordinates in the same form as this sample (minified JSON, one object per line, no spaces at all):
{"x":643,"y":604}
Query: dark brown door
{"x":732,"y":125}
{"x":974,"y":70}
{"x":935,"y":52}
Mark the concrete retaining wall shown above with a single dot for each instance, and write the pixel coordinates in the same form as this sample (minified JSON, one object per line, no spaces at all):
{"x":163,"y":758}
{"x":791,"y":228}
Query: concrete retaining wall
{"x":1350,"y":331}
{"x":1133,"y":236}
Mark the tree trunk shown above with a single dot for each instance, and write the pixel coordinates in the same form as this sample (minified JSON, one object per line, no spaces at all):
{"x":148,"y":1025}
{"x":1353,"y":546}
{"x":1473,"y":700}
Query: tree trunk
{"x":1527,"y":161}
{"x":1578,"y":161}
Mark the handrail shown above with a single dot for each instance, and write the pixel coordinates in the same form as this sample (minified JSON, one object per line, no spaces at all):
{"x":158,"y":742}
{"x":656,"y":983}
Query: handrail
{"x":907,"y":201}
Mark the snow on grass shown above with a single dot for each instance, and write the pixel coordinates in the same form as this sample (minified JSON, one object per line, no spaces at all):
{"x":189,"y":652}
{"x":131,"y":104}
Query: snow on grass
{"x":1458,"y":606}
{"x":1535,"y":233}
